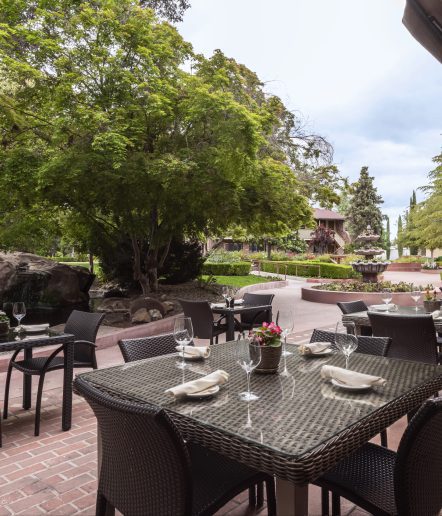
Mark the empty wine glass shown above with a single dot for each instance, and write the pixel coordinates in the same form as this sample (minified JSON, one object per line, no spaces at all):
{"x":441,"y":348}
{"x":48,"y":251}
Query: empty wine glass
{"x":248,"y":357}
{"x":225,"y":291}
{"x":286,"y":320}
{"x":19,"y":311}
{"x":183,"y":335}
{"x":345,"y":342}
{"x":387,"y":297}
{"x":415,"y":296}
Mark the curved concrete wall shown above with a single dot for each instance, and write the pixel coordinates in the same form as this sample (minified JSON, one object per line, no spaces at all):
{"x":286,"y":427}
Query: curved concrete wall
{"x":404,"y":267}
{"x":328,"y":297}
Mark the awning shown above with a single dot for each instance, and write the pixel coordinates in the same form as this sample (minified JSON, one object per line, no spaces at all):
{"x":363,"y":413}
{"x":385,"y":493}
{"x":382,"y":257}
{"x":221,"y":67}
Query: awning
{"x":423,"y":19}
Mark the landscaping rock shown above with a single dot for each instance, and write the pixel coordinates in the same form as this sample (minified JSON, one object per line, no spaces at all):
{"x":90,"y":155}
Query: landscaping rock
{"x":142,"y":316}
{"x":114,"y":304}
{"x":148,"y":303}
{"x":169,"y":306}
{"x":155,"y":315}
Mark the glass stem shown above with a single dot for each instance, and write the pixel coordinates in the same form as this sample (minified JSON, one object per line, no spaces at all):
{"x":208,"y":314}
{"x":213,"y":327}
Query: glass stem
{"x":347,"y":357}
{"x":248,"y":382}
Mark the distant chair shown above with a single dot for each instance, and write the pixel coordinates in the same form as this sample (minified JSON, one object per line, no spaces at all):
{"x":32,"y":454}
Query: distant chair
{"x":84,"y":326}
{"x":384,"y":482}
{"x":352,"y":307}
{"x":367,"y":345}
{"x":147,"y":347}
{"x":148,"y":468}
{"x":254,"y":319}
{"x":204,"y":326}
{"x":413,"y":337}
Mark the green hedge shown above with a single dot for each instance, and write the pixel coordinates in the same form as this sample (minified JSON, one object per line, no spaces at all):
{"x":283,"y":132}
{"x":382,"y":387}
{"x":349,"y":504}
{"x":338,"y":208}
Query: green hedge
{"x":309,"y":270}
{"x":227,"y":269}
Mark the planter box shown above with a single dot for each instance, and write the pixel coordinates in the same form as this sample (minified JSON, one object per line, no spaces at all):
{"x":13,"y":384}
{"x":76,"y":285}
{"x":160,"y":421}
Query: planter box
{"x":370,"y":298}
{"x":405,"y":267}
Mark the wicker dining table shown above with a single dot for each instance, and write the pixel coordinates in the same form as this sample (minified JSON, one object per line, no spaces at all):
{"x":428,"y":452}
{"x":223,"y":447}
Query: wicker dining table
{"x":238,"y":309}
{"x":27,"y":342}
{"x":299,"y":428}
{"x":360,"y":319}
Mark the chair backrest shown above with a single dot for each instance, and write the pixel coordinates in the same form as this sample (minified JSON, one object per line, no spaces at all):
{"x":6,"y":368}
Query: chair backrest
{"x":351,"y":307}
{"x":418,"y":470}
{"x":147,"y":347}
{"x":84,"y":326}
{"x":367,"y":345}
{"x":256,"y":300}
{"x":145,"y":465}
{"x":413,"y":337}
{"x":201,"y":315}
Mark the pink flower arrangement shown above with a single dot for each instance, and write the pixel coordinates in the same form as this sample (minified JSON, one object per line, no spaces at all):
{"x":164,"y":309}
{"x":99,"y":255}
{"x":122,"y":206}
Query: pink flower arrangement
{"x":269,"y":334}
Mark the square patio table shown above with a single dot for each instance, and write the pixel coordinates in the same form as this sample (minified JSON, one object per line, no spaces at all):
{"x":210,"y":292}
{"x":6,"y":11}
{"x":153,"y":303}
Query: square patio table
{"x":300,"y":427}
{"x":27,"y":342}
{"x":238,"y":310}
{"x":361,"y":318}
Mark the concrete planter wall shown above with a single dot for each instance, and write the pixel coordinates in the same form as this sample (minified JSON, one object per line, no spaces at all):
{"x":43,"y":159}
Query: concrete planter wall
{"x":432,"y":271}
{"x":404,"y":267}
{"x":375,"y":298}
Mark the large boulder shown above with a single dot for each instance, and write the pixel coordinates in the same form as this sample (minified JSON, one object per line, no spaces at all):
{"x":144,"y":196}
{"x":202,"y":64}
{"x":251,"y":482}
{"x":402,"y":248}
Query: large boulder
{"x":114,"y":304}
{"x":148,"y":303}
{"x":39,"y":281}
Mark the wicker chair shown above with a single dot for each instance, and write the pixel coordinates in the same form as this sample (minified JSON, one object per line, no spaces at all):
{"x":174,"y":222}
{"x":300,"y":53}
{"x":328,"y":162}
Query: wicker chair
{"x":147,"y":347}
{"x":84,"y":326}
{"x":352,"y":307}
{"x":413,"y":337}
{"x":408,"y":482}
{"x":204,"y":327}
{"x":160,"y":474}
{"x":254,"y":319}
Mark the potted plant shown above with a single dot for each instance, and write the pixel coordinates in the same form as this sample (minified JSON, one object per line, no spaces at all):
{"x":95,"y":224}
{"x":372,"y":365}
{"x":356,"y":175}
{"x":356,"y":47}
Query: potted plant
{"x":4,"y":323}
{"x":431,"y":303}
{"x":268,"y":337}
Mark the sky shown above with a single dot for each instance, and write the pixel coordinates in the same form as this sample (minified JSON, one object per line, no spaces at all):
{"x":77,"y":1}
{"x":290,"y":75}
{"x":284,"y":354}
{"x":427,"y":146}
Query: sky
{"x":351,"y":68}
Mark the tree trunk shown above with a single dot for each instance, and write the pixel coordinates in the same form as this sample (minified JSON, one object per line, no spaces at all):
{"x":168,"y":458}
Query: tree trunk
{"x":138,"y":274}
{"x":269,"y":250}
{"x":91,"y":263}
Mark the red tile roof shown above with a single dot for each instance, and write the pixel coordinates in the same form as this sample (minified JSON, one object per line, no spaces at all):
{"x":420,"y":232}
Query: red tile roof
{"x":321,"y":214}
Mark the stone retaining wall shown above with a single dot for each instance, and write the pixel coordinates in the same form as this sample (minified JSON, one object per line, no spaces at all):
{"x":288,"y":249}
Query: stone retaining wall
{"x":330,"y":297}
{"x":404,"y":267}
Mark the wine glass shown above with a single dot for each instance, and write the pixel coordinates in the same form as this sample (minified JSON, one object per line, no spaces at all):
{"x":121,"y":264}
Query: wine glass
{"x":415,"y":296}
{"x":19,"y":311}
{"x":387,"y":297}
{"x":183,"y":335}
{"x":248,"y":357}
{"x":225,"y":291}
{"x":286,"y":320}
{"x":345,"y":342}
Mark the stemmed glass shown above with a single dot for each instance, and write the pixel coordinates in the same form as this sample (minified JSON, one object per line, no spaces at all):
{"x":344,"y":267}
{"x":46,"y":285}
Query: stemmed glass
{"x":225,"y":293}
{"x":345,"y":342}
{"x":286,"y":320}
{"x":387,"y":297}
{"x":183,"y":335}
{"x":248,"y":357}
{"x":19,"y":311}
{"x":415,"y":296}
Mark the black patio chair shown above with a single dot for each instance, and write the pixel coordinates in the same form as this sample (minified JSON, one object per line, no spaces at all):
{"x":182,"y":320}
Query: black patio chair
{"x":84,"y":326}
{"x":159,"y":474}
{"x":413,"y":337}
{"x":254,"y":319}
{"x":352,"y":307}
{"x":384,"y":482}
{"x":204,"y":326}
{"x":147,"y":347}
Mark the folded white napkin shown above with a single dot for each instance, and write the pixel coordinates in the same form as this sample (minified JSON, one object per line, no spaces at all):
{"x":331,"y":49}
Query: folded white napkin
{"x":314,"y":347}
{"x":35,"y":327}
{"x":436,"y":314}
{"x":352,"y":378}
{"x":194,"y":351}
{"x":218,"y":377}
{"x":382,"y":308}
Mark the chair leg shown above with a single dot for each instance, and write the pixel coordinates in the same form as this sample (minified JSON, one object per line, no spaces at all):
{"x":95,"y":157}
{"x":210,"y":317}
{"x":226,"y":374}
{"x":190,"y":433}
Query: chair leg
{"x":38,"y":405}
{"x":325,"y":502}
{"x":252,"y":496}
{"x":336,"y":505}
{"x":103,"y":507}
{"x":216,"y":339}
{"x":259,"y":494}
{"x":6,"y":401}
{"x":384,"y":441}
{"x":271,"y":497}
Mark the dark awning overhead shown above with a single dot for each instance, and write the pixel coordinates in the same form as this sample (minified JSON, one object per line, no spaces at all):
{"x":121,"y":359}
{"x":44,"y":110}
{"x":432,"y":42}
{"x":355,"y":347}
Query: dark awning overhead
{"x":423,"y":18}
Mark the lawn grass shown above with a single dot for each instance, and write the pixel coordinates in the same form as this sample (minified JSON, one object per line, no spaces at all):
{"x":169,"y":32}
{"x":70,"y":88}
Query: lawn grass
{"x":240,"y":281}
{"x":97,"y":268}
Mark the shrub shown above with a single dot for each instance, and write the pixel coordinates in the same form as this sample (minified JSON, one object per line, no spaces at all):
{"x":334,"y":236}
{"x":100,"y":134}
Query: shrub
{"x":183,"y":263}
{"x":359,"y":286}
{"x":410,"y":259}
{"x":309,"y":269}
{"x":223,"y":256}
{"x":226,"y":269}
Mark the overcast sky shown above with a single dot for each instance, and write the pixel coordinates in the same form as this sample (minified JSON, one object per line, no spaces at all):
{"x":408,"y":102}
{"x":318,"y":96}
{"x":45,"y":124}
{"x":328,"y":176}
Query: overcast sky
{"x":350,"y":67}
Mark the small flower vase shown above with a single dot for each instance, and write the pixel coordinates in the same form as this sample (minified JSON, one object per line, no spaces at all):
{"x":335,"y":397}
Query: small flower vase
{"x":270,"y":357}
{"x":431,"y":306}
{"x":4,"y":327}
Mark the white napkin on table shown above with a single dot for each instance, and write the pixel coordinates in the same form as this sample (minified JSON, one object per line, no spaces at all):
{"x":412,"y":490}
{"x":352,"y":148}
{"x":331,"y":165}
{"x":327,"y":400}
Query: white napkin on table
{"x":314,"y":347}
{"x":194,"y":351}
{"x":218,"y":377}
{"x":352,"y":378}
{"x":436,"y":314}
{"x":383,"y":308}
{"x":35,"y":327}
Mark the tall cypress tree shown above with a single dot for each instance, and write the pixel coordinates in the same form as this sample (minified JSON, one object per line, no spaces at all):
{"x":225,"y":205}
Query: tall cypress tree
{"x":409,"y":234}
{"x":364,"y":206}
{"x":400,"y":246}
{"x":387,"y":236}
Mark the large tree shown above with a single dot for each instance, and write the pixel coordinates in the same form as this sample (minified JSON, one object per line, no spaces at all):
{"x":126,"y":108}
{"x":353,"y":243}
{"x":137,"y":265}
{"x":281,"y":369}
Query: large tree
{"x":411,"y":238}
{"x":364,"y":205}
{"x":399,"y":237}
{"x":100,"y":120}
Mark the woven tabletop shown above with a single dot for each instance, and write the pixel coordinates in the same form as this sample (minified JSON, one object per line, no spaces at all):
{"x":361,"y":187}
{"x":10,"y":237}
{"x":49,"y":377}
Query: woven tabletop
{"x":49,"y":337}
{"x":301,"y":425}
{"x":361,"y":318}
